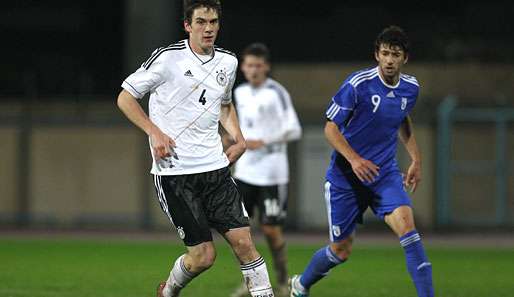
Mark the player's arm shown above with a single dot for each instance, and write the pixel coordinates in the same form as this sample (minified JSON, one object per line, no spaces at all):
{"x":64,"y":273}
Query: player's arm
{"x":228,"y":120}
{"x":147,"y":78}
{"x":294,"y":129}
{"x":161,"y":143}
{"x":364,"y":169}
{"x":338,"y":113}
{"x":406,"y":134}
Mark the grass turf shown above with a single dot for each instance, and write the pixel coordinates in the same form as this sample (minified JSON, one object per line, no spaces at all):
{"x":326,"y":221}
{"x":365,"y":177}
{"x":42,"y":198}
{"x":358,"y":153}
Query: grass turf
{"x":83,"y":268}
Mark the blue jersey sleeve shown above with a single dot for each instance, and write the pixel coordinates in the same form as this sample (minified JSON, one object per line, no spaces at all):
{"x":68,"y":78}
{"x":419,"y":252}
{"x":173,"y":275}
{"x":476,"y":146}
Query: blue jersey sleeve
{"x":415,"y":100}
{"x":342,"y":104}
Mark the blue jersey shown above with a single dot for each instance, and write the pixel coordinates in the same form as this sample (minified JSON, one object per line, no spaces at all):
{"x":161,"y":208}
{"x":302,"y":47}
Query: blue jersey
{"x":368,"y":113}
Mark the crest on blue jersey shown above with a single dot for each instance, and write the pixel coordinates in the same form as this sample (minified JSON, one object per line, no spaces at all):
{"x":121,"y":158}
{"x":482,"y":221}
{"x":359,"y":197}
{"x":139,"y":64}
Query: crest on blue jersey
{"x":336,"y":230}
{"x":404,"y":103}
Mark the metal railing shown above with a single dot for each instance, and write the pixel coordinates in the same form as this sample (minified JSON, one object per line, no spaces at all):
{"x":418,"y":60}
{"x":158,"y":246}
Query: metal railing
{"x":449,"y":113}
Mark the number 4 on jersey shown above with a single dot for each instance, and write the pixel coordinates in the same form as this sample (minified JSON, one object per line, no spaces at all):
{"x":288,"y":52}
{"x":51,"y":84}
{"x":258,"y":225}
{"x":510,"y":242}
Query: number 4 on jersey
{"x":202,"y":98}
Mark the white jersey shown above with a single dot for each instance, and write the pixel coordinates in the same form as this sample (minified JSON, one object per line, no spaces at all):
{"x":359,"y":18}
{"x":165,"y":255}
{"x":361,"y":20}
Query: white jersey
{"x":186,"y":94}
{"x":266,"y":113}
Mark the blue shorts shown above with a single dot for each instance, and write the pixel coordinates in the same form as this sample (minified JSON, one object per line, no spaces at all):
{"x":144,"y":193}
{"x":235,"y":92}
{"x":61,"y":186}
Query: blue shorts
{"x":347,"y":202}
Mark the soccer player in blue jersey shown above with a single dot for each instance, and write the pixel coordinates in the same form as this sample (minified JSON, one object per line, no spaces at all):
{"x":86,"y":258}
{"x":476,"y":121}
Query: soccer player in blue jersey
{"x":364,"y":119}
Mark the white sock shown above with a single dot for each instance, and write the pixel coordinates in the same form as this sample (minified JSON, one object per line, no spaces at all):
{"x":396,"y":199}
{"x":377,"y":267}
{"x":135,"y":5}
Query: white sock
{"x":178,"y":279}
{"x":256,"y":277}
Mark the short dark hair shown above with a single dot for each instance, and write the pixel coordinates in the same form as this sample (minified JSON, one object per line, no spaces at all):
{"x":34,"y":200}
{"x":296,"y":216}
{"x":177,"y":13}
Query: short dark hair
{"x":257,"y":49}
{"x":393,"y":36}
{"x":191,"y":5}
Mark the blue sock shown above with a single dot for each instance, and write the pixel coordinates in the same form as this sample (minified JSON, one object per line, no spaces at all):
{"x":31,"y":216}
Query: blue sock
{"x":417,"y":263}
{"x":322,"y":261}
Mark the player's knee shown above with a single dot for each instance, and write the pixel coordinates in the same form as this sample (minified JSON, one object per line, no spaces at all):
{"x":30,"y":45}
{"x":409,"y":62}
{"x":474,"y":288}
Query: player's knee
{"x":406,"y":229}
{"x":245,"y":244}
{"x":342,"y":249}
{"x":245,"y":249}
{"x":207,"y":261}
{"x":401,"y":220}
{"x":405,"y":226}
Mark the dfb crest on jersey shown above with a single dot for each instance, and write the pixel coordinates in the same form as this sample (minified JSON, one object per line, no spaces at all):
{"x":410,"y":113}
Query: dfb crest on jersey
{"x":181,"y":232}
{"x":404,"y":103}
{"x":221,"y":78}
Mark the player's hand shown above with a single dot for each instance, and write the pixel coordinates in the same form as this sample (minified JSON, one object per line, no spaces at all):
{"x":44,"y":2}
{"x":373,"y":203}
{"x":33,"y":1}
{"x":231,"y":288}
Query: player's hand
{"x":364,"y":169}
{"x":162,"y":144}
{"x":413,"y":176}
{"x":235,"y":151}
{"x":254,"y":144}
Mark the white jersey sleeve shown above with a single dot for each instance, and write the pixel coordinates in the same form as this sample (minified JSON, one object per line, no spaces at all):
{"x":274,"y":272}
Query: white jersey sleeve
{"x":227,"y":98}
{"x":290,"y":129}
{"x":293,"y":127}
{"x":149,"y":76}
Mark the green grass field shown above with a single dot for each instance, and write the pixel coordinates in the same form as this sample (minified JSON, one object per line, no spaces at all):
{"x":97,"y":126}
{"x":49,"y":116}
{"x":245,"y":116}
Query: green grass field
{"x":82,"y":268}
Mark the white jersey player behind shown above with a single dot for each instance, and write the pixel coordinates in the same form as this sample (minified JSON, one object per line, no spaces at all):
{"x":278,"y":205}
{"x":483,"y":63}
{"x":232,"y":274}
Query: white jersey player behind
{"x":266,"y":113}
{"x":268,"y":121}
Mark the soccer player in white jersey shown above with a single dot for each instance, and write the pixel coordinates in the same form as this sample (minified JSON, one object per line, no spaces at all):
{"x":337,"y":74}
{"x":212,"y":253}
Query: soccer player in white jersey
{"x":190,"y":86}
{"x":268,"y":121}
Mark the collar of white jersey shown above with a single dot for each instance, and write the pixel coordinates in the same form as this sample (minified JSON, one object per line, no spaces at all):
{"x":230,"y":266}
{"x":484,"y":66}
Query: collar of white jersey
{"x":195,"y":56}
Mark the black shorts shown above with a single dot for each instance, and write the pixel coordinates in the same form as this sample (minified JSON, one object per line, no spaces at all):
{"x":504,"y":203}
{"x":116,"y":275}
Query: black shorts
{"x":194,"y":203}
{"x":271,"y":201}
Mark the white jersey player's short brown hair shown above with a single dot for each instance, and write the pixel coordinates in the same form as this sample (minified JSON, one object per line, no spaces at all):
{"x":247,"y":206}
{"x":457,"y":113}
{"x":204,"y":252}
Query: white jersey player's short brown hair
{"x":191,"y":5}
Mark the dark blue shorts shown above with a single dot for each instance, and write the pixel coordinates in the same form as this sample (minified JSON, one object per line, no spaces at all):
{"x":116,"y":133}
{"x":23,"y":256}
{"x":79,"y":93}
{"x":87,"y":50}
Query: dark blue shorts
{"x":347,"y":202}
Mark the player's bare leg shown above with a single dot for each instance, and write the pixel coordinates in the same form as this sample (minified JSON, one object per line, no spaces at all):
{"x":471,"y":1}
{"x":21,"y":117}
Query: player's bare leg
{"x":277,"y":246}
{"x":401,"y":221}
{"x":255,"y":273}
{"x":342,"y":249}
{"x":197,"y":259}
{"x":323,"y":260}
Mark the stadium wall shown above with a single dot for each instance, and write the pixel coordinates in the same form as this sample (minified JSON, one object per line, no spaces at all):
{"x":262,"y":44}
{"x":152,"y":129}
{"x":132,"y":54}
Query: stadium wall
{"x":96,"y":177}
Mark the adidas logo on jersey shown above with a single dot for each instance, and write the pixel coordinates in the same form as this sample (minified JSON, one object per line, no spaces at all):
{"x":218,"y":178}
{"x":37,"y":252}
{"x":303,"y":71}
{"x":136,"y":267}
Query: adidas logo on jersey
{"x":188,"y":73}
{"x":390,"y":95}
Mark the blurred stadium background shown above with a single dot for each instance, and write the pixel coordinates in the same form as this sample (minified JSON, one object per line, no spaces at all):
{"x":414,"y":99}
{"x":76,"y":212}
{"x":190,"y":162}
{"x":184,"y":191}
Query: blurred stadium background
{"x":70,"y":160}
